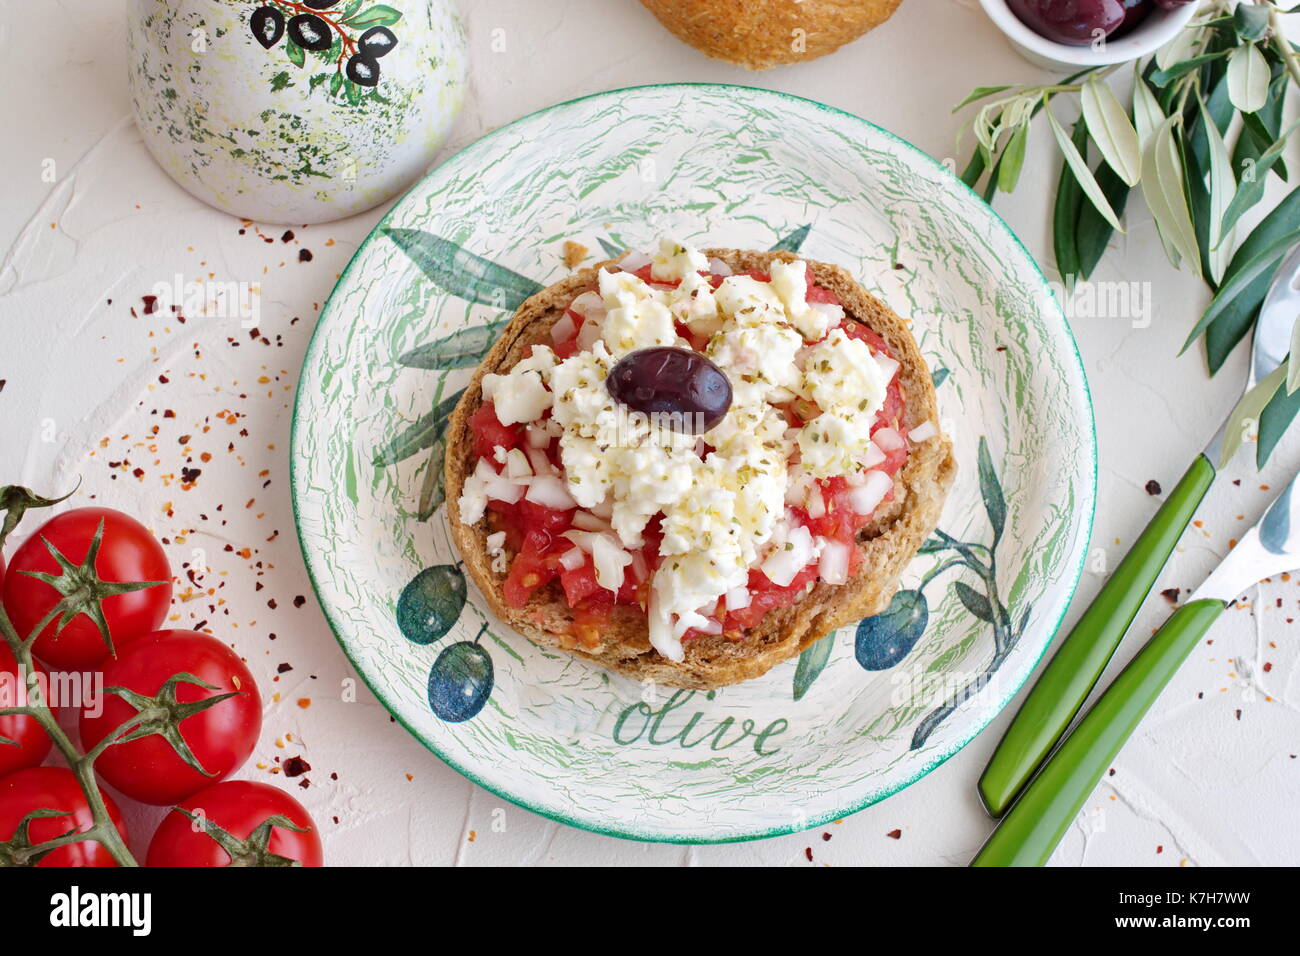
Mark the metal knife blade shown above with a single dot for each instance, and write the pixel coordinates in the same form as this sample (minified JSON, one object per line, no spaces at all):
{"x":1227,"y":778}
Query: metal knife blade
{"x":1270,"y":547}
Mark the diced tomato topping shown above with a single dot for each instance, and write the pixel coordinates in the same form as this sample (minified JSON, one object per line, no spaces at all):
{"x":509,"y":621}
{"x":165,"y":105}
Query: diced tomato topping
{"x":766,"y":596}
{"x":537,"y":563}
{"x":580,"y":583}
{"x":489,"y":432}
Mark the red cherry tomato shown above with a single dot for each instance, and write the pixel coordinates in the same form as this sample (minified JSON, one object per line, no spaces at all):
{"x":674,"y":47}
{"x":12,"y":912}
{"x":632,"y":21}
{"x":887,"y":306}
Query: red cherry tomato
{"x":149,"y":769}
{"x":238,"y":807}
{"x":33,"y":742}
{"x":127,"y":553}
{"x":54,"y":788}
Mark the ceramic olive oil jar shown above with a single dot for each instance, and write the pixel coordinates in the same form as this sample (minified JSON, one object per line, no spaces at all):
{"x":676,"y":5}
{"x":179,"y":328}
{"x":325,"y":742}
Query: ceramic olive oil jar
{"x":295,"y":111}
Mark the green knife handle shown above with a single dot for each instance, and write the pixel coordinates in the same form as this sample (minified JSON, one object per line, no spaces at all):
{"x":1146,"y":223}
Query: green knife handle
{"x":1034,"y":825}
{"x":1071,"y":675}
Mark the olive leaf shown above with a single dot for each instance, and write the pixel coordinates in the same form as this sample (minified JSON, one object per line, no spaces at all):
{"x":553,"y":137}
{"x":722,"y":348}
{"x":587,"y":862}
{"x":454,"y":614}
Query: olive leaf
{"x":1251,"y":189}
{"x":1239,"y":281}
{"x":979,"y":93}
{"x":1093,"y":232}
{"x":1221,"y":186}
{"x":1165,"y":191}
{"x":461,"y":272}
{"x":463,"y":349}
{"x":380,"y":15}
{"x":794,"y":241}
{"x":1013,"y":158}
{"x":1245,"y":417}
{"x":1293,"y":360}
{"x":991,"y":491}
{"x":1111,"y":129}
{"x":1250,"y":21}
{"x":973,"y":601}
{"x":1276,"y":418}
{"x":1248,"y":78}
{"x":1082,"y":173}
{"x":422,"y":434}
{"x":1066,"y":214}
{"x":1147,"y":115}
{"x":811,"y":663}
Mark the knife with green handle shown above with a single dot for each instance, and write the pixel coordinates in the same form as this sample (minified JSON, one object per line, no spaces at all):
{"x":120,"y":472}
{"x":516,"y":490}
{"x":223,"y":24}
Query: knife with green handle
{"x":1072,"y":673}
{"x":1034,"y":825}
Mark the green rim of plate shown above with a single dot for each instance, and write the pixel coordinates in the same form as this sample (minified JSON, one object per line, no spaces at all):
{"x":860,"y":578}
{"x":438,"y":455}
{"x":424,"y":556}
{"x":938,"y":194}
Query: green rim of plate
{"x":627,"y":833}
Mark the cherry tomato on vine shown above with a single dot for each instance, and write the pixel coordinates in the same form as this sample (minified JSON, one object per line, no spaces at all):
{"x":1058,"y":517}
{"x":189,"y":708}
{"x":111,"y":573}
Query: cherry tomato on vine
{"x":51,"y":788}
{"x":32,"y":742}
{"x":217,"y":726}
{"x":110,"y":576}
{"x":231,"y":824}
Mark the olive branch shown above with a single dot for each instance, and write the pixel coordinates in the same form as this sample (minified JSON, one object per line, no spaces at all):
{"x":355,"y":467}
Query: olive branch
{"x":1226,"y":76}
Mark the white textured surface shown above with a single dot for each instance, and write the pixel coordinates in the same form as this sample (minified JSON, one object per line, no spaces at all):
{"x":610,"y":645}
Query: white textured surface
{"x":1209,"y":779}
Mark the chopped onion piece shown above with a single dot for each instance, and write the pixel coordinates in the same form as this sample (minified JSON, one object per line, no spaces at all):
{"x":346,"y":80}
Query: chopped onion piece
{"x":517,"y":464}
{"x":816,"y":503}
{"x":551,"y":492}
{"x":923,"y":432}
{"x":719,"y":268}
{"x":634,"y":261}
{"x":790,"y":557}
{"x":739,"y":598}
{"x":873,"y":457}
{"x":540,"y":463}
{"x":834,"y":562}
{"x":537,"y":437}
{"x":888,"y":366}
{"x":497,"y":486}
{"x":867,"y":497}
{"x":589,"y":305}
{"x":834,"y":313}
{"x":586,"y":521}
{"x":640,"y":570}
{"x":573,"y":559}
{"x":610,"y":560}
{"x":710,"y":626}
{"x":588,"y":335}
{"x":564,"y":329}
{"x":583,"y":539}
{"x":889,"y":440}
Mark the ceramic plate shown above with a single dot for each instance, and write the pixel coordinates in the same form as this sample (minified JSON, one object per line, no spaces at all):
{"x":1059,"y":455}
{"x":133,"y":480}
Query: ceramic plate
{"x":862,"y":714}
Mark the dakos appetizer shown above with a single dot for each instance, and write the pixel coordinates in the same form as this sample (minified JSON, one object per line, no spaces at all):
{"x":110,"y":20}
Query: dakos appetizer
{"x":689,"y":468}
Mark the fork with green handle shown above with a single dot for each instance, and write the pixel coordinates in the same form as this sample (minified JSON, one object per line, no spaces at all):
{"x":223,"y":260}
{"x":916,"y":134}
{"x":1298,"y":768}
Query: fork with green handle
{"x":1073,"y":672}
{"x":1034,"y":825}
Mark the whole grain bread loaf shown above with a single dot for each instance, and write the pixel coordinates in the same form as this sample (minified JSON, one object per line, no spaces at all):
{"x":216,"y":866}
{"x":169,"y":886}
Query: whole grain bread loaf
{"x":888,"y":542}
{"x":760,"y":34}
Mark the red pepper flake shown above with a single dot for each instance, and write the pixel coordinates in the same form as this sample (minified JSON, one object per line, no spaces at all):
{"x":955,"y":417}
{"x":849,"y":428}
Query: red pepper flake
{"x":895,"y":834}
{"x":1171,"y":594}
{"x":190,"y":475}
{"x":299,"y":601}
{"x":826,"y":837}
{"x":288,"y":236}
{"x":271,"y":604}
{"x":168,"y":413}
{"x":1160,"y":849}
{"x":1268,"y":666}
{"x":150,"y":304}
{"x":304,"y":255}
{"x":807,"y":851}
{"x":296,"y":767}
{"x":1153,"y":487}
{"x":1239,"y":713}
{"x":284,"y":668}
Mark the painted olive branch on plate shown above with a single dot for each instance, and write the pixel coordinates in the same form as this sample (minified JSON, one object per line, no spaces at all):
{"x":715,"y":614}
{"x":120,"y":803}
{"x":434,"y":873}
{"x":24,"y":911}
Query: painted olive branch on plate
{"x":347,"y":34}
{"x":1232,"y":68}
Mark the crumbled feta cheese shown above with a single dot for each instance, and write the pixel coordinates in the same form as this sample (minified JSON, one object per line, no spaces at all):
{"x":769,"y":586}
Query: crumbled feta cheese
{"x":636,"y":323}
{"x":832,"y":443}
{"x":749,"y":301}
{"x":521,"y":394}
{"x":842,"y":375}
{"x":757,"y":360}
{"x":676,"y":260}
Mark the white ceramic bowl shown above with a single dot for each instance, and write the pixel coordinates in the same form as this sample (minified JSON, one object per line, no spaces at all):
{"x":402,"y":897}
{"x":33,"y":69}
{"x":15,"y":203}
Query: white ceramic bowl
{"x":1155,"y":31}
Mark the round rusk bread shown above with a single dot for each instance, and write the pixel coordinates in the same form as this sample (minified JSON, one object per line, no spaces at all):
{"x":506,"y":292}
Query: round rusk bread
{"x":760,"y":34}
{"x":888,"y":542}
